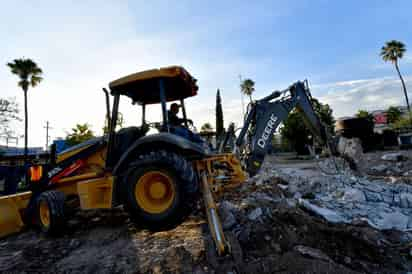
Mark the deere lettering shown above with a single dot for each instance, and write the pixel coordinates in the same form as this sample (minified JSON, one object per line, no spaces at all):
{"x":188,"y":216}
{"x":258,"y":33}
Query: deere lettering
{"x":268,"y":131}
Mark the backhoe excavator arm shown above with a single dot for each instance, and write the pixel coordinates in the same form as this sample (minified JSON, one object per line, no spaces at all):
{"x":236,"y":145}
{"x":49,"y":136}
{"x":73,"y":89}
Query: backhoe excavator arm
{"x":264,"y":117}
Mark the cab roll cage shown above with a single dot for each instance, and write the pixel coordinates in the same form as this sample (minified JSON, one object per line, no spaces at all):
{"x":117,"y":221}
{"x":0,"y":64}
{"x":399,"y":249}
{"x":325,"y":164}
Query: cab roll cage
{"x":112,"y":119}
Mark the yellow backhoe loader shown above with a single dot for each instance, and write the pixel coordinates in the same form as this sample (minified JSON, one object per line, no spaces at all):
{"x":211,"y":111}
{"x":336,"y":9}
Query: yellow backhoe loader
{"x":156,"y":177}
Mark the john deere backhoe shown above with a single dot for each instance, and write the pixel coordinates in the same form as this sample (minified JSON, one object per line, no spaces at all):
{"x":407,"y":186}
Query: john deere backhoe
{"x":156,"y":177}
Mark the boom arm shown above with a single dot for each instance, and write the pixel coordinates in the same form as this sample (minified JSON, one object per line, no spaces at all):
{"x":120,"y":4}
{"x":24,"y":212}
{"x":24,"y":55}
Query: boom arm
{"x":265,"y":115}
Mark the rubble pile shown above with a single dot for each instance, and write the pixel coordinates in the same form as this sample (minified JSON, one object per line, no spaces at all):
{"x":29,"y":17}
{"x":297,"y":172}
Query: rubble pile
{"x":327,"y":222}
{"x":351,"y":199}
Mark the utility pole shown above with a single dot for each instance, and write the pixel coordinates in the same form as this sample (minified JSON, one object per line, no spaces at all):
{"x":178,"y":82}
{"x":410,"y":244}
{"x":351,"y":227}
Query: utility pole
{"x":241,"y":96}
{"x":47,"y":127}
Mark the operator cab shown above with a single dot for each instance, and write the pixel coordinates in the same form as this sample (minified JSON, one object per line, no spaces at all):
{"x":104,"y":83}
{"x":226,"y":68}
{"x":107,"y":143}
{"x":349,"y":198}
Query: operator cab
{"x":157,"y":86}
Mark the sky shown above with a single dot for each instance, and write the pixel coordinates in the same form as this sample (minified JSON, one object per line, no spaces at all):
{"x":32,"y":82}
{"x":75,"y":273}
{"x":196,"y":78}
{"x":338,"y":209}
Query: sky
{"x":83,"y":45}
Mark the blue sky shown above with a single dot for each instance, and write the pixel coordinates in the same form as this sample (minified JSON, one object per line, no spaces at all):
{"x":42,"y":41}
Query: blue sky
{"x":83,"y":45}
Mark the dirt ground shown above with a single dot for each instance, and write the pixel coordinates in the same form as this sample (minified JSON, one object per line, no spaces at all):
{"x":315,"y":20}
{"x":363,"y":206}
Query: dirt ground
{"x":275,"y":234}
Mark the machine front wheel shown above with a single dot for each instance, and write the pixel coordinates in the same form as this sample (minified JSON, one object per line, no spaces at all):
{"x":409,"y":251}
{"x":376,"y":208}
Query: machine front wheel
{"x":160,"y":189}
{"x":50,"y":211}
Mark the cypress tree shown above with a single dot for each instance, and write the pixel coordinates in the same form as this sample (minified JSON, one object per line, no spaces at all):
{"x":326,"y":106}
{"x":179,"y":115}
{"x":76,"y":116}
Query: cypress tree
{"x":219,"y":115}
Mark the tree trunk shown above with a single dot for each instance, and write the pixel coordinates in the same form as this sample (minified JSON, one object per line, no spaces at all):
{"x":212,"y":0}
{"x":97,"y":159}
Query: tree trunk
{"x":404,"y":87}
{"x":26,"y":122}
{"x":250,"y":97}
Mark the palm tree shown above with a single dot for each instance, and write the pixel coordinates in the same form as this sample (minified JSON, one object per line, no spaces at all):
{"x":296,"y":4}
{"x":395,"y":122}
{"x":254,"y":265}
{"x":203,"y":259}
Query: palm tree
{"x":79,"y":134}
{"x":392,"y":52}
{"x":393,"y":114}
{"x":29,"y":74}
{"x":247,"y":87}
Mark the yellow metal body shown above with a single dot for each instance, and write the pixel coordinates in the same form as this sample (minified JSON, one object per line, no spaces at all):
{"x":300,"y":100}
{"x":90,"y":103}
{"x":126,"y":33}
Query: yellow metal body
{"x":223,"y":171}
{"x":71,"y":152}
{"x":93,"y":194}
{"x":155,"y":192}
{"x":90,"y":183}
{"x":11,"y":208}
{"x":96,"y":193}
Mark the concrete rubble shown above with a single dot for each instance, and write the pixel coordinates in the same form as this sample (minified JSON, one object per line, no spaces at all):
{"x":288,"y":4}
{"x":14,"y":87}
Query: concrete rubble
{"x":312,"y":252}
{"x":282,"y":208}
{"x":350,"y":147}
{"x":393,"y":157}
{"x":382,"y":204}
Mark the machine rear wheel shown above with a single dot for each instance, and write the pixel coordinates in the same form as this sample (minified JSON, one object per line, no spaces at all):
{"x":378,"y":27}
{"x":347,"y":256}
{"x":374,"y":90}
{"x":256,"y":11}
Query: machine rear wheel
{"x":160,"y":189}
{"x":50,"y":211}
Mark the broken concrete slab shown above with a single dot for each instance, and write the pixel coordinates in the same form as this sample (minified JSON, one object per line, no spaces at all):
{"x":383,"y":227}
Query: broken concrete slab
{"x":351,"y":147}
{"x":353,"y":194}
{"x":380,"y":168}
{"x":405,"y":200}
{"x":313,"y":253}
{"x":393,"y":157}
{"x":395,"y":220}
{"x":373,"y":196}
{"x":329,"y":215}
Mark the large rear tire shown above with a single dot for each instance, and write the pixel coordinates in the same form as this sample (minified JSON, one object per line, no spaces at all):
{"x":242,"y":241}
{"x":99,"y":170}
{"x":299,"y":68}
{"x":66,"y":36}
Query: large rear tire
{"x":50,"y":212}
{"x":160,"y":189}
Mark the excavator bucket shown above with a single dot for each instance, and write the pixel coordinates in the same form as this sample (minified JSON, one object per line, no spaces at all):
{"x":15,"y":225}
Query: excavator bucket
{"x":11,"y":207}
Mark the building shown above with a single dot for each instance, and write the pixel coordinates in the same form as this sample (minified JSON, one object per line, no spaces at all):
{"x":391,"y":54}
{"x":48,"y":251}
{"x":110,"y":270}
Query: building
{"x":10,"y":151}
{"x":381,"y":121}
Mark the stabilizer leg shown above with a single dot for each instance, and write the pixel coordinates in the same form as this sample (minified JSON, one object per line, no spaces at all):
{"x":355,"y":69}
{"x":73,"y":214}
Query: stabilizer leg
{"x":223,"y":253}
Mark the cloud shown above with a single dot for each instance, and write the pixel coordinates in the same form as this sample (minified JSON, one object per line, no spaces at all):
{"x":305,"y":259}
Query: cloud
{"x":347,"y":97}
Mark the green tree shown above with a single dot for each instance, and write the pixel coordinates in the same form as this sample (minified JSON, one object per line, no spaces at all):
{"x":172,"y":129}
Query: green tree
{"x":206,"y":127}
{"x":30,"y":75}
{"x":219,"y":115}
{"x":325,"y":114}
{"x":365,"y":114}
{"x":402,"y":123}
{"x":79,"y":134}
{"x":297,"y":135}
{"x":393,"y":114}
{"x":247,"y":87}
{"x":392,"y":51}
